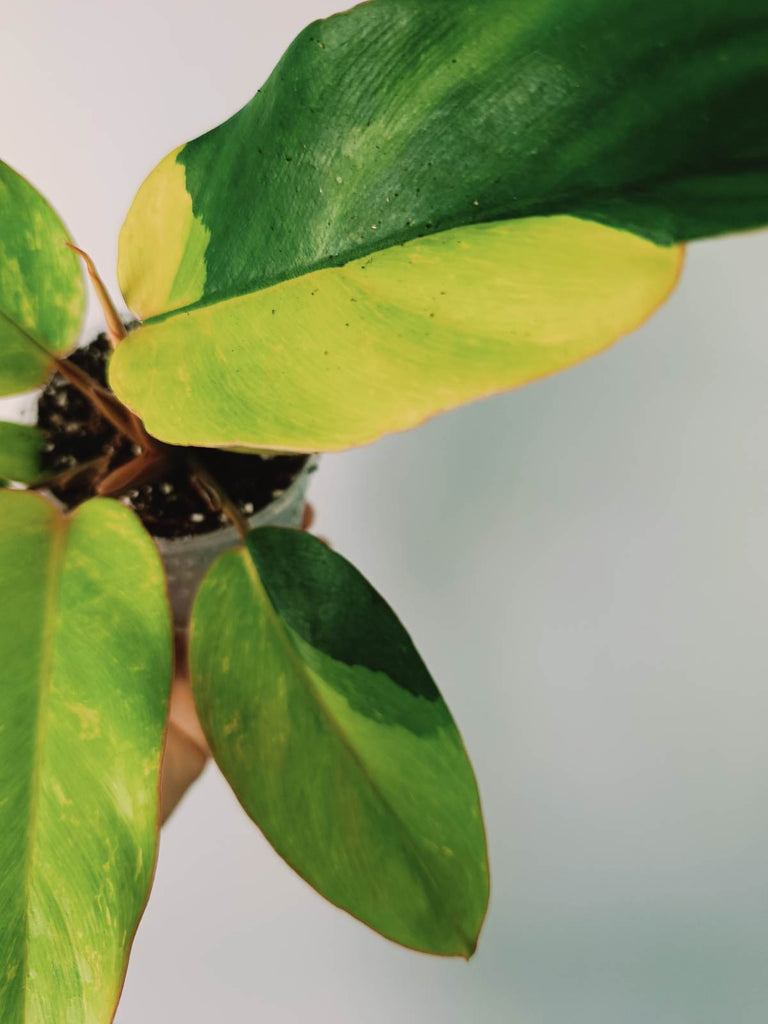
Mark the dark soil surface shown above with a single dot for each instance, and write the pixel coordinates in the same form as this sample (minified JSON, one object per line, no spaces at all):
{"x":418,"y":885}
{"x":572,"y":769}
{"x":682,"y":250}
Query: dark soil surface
{"x":170,"y":506}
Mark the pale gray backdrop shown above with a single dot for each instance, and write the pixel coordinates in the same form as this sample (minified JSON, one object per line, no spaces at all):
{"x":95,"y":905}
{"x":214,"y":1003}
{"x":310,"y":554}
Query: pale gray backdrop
{"x":582,"y":563}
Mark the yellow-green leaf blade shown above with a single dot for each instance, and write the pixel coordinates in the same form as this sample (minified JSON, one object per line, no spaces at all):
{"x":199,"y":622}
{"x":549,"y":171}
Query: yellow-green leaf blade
{"x":343,"y":355}
{"x":404,"y":118}
{"x":85,"y":647}
{"x":333,"y":735}
{"x":21,"y":448}
{"x":42,"y":293}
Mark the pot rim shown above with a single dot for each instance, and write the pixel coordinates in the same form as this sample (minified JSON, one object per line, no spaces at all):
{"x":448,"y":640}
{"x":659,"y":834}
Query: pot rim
{"x":197,"y":542}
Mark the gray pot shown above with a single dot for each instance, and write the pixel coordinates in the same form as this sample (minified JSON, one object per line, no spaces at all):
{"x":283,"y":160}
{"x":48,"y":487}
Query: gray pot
{"x":187,"y":559}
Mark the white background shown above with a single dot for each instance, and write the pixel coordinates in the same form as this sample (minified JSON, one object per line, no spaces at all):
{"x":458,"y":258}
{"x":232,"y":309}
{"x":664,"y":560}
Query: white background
{"x":582,"y":563}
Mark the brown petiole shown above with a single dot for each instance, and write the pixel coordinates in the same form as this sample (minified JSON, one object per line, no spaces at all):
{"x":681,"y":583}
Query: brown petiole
{"x":115,"y":328}
{"x":215,"y":496}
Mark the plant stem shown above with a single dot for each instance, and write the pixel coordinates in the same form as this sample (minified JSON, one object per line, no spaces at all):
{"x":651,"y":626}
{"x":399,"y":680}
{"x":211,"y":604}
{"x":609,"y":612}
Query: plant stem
{"x":216,"y":497}
{"x":115,"y":328}
{"x":148,"y":466}
{"x":95,"y":468}
{"x":121,"y":418}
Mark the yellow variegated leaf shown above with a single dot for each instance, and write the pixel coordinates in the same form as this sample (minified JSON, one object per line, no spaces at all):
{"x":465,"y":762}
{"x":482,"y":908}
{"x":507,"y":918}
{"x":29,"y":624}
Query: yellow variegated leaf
{"x":42,"y":295}
{"x":85,"y":660}
{"x":340,"y":356}
{"x":405,"y":136}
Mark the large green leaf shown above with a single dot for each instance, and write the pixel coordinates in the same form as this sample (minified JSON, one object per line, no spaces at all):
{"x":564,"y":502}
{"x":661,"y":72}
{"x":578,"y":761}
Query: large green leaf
{"x":42,"y":294}
{"x":21,"y":449}
{"x":85,"y":650}
{"x":329,"y":728}
{"x":410,"y":118}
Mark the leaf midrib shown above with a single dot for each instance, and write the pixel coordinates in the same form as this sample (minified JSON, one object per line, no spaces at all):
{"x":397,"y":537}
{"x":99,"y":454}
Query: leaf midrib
{"x":59,"y":527}
{"x":27,"y":334}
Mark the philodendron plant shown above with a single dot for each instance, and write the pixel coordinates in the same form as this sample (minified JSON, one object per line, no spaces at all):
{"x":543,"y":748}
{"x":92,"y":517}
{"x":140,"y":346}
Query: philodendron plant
{"x":426,"y":203}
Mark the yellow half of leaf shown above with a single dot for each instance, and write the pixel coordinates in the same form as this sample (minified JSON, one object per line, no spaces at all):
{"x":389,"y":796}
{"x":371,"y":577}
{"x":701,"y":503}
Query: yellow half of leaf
{"x":340,"y":356}
{"x":161,"y":255}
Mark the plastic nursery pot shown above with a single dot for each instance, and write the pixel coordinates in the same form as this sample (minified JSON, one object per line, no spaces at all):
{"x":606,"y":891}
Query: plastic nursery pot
{"x":187,"y":559}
